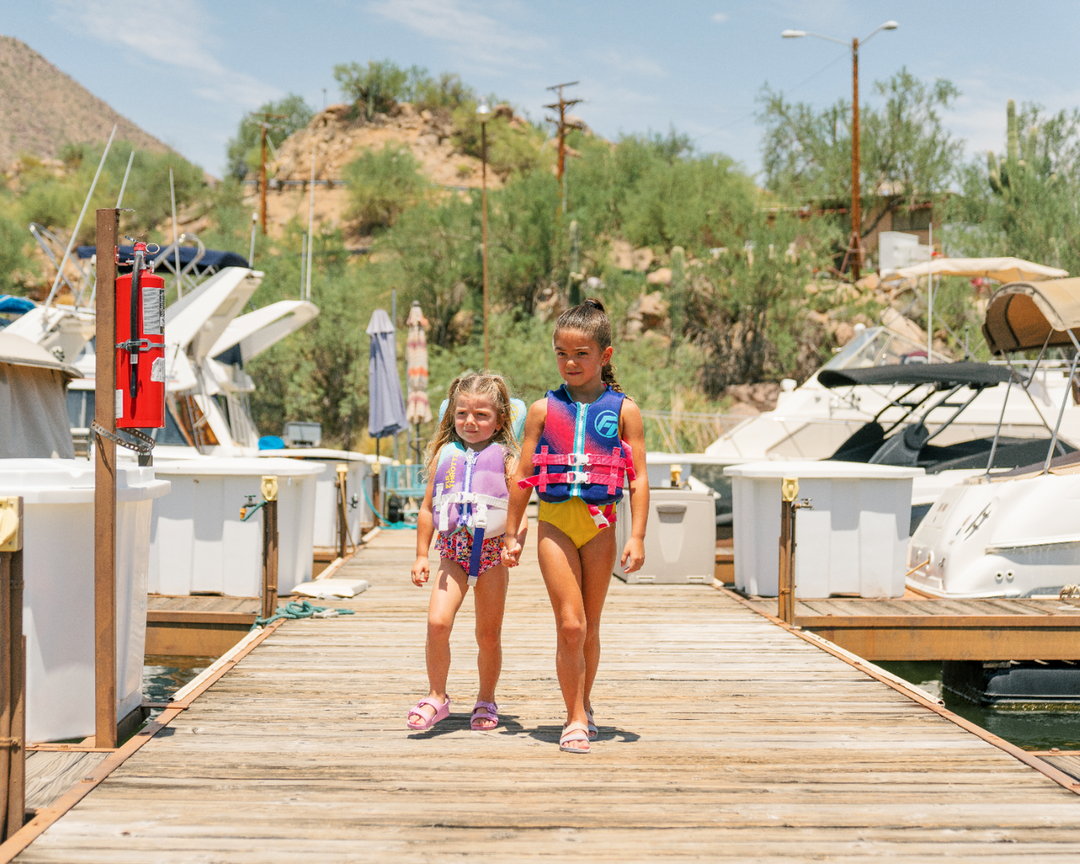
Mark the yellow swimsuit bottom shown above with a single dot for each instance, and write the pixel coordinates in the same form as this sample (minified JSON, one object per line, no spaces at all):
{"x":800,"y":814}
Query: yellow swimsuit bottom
{"x":575,"y":519}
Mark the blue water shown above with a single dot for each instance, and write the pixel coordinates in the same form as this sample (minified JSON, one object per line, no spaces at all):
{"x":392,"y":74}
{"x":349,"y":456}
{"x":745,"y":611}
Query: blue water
{"x":1030,"y":730}
{"x":163,"y":675}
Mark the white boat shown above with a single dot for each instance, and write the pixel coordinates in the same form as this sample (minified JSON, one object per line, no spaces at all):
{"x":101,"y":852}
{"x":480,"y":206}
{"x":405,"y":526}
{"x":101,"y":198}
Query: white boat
{"x":209,"y":339}
{"x":1011,"y":534}
{"x":37,"y":464}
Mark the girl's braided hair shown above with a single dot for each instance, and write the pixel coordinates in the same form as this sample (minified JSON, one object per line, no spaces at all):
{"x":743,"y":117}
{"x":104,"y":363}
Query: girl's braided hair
{"x":590,"y":319}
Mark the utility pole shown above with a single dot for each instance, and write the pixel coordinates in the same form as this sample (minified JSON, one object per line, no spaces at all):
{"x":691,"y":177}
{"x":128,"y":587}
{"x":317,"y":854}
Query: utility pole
{"x":856,"y":192}
{"x":561,"y":107}
{"x":263,"y":126}
{"x":855,"y":243}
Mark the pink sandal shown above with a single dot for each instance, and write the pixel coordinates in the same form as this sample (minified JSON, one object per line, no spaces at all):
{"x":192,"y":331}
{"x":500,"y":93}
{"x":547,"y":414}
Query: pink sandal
{"x":441,"y":713}
{"x":574,"y":733}
{"x":484,"y":711}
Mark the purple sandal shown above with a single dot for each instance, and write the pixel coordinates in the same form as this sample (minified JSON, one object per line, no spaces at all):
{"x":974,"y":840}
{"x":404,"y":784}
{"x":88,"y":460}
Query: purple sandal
{"x":484,"y":711}
{"x":441,"y":713}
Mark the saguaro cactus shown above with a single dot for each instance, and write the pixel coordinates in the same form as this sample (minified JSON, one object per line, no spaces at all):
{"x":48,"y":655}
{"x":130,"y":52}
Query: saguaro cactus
{"x":1006,"y":172}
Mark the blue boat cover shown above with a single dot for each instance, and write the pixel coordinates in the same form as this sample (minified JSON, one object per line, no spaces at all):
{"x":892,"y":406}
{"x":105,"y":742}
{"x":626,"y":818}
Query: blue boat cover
{"x":211,"y":258}
{"x":15,"y":304}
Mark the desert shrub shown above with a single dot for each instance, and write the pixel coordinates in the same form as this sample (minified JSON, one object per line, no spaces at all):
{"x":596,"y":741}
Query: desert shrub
{"x":382,"y":184}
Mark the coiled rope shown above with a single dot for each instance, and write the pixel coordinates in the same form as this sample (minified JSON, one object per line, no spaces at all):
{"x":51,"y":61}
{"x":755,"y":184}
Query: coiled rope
{"x":301,"y":609}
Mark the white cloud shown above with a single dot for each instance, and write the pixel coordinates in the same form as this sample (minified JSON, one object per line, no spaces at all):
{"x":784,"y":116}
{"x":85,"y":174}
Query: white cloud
{"x":719,"y":17}
{"x":173,"y":32}
{"x":463,"y":25}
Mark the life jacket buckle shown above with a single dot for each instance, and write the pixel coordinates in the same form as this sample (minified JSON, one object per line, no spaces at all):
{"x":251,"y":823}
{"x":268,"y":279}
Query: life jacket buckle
{"x":577,"y":477}
{"x":578,"y":459}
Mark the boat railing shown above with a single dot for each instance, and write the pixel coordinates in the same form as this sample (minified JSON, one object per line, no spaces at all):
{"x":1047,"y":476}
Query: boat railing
{"x":183,"y":277}
{"x":51,"y":244}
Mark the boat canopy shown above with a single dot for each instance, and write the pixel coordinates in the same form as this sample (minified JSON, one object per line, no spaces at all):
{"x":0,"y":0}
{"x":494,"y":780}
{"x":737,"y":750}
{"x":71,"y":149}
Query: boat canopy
{"x":211,"y":259}
{"x":998,"y":269}
{"x":33,"y":415}
{"x":1021,"y":315}
{"x":15,"y":304}
{"x":913,"y":374}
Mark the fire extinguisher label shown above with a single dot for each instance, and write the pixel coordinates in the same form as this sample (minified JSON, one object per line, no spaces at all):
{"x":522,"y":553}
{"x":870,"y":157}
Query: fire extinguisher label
{"x":118,"y":409}
{"x":153,"y":310}
{"x":157,"y":370}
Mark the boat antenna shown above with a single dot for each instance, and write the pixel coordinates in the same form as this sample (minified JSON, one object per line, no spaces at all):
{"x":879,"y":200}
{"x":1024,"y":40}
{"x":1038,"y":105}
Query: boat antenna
{"x":78,"y":224}
{"x":176,"y":236}
{"x":311,"y":221}
{"x":123,"y":186}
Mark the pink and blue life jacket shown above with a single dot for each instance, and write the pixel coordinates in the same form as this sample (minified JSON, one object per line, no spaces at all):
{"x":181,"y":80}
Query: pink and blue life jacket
{"x":580,"y":453}
{"x":470,"y":489}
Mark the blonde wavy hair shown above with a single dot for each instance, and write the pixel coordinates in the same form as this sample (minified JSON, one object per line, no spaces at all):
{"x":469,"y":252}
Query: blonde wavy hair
{"x":484,"y":384}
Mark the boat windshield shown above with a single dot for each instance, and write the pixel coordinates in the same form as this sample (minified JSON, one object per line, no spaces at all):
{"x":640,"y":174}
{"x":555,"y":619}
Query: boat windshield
{"x":879,"y":346}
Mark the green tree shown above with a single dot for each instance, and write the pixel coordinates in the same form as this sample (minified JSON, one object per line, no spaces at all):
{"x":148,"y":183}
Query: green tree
{"x":244,"y":152}
{"x":906,"y":154}
{"x":747,"y":308}
{"x":373,"y":88}
{"x":382,"y":184}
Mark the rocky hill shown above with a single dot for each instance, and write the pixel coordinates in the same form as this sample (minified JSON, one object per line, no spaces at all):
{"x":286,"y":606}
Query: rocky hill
{"x":41,"y":108}
{"x":339,"y":138}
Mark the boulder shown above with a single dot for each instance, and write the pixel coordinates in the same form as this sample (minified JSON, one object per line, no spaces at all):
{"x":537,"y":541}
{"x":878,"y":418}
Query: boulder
{"x":649,"y":309}
{"x":659,"y":277}
{"x":760,"y":397}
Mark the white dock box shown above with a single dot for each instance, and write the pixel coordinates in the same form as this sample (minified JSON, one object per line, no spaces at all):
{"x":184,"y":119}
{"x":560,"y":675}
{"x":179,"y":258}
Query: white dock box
{"x":854,"y":541}
{"x":680,"y":538}
{"x":58,"y":593}
{"x":198,"y":543}
{"x":357,"y":490}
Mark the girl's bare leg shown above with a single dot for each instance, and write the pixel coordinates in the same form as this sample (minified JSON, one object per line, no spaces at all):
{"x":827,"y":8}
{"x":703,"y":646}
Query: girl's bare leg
{"x":447,"y":593}
{"x":597,"y":564}
{"x":489,"y":594}
{"x":577,"y":600}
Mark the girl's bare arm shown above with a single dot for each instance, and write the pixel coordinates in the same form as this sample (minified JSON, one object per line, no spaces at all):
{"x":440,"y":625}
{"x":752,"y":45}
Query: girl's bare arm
{"x":632,"y":429}
{"x":519,"y":498}
{"x":425,"y":527}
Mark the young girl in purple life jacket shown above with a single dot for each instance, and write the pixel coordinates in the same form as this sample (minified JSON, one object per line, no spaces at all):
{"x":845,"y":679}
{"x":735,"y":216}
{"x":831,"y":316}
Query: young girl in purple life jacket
{"x":466,"y":499}
{"x":580,"y":441}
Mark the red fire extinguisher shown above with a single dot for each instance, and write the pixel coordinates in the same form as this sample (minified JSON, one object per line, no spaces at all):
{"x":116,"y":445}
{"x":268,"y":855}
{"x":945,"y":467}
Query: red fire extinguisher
{"x":140,"y":347}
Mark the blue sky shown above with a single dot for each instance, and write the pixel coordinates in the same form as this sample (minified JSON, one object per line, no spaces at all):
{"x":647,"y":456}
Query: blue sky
{"x":187,"y":70}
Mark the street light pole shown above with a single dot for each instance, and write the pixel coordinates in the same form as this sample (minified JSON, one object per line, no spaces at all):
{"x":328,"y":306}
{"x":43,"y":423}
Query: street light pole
{"x":856,"y":192}
{"x":483,"y":112}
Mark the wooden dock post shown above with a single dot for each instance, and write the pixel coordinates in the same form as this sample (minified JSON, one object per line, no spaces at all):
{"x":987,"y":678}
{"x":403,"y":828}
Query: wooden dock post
{"x":270,"y":547}
{"x":342,"y":508}
{"x":108,"y":229}
{"x":785,"y":595}
{"x":12,"y":670}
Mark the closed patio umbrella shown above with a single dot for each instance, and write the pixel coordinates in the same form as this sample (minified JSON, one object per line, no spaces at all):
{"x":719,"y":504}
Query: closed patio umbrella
{"x":418,"y":408}
{"x":386,"y":406}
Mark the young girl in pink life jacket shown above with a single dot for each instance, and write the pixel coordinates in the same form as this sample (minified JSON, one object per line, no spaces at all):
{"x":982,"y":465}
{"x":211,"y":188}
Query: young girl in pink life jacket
{"x":581,"y":440}
{"x":466,"y":499}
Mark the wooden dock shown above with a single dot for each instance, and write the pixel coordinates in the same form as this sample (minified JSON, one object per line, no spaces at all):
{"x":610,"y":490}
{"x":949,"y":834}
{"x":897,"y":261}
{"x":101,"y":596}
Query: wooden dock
{"x":197,"y":625}
{"x":903,"y":629}
{"x":722,"y":736}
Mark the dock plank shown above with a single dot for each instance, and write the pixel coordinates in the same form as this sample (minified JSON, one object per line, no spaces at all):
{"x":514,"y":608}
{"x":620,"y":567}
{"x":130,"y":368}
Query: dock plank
{"x":722,"y":736}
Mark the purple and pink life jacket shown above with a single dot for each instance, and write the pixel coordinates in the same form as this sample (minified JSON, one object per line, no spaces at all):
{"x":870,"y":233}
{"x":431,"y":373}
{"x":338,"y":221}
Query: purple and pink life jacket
{"x":470,"y":489}
{"x":580,"y":453}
